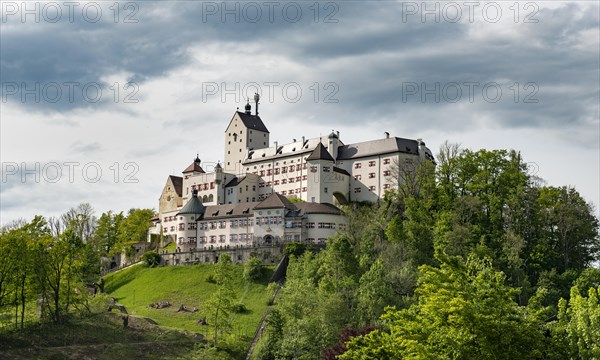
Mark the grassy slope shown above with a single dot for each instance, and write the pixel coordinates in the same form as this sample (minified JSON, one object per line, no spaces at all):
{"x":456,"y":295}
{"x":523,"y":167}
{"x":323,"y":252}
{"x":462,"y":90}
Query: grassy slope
{"x":139,"y":286}
{"x":101,"y":336}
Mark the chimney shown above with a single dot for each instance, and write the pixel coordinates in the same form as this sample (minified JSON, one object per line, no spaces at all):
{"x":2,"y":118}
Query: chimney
{"x":302,"y":140}
{"x":293,"y":140}
{"x":387,"y":135}
{"x":338,"y":134}
{"x":276,"y":147}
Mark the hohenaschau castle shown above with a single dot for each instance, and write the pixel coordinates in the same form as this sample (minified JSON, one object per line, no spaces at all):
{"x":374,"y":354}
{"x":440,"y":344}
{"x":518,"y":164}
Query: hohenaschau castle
{"x":266,"y":194}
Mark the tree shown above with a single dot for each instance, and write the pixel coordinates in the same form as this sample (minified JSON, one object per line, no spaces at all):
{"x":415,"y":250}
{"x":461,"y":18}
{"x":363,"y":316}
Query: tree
{"x":577,"y":331}
{"x":107,"y":232}
{"x":134,"y":228}
{"x":253,"y":269}
{"x":463,"y":312}
{"x":219,"y":306}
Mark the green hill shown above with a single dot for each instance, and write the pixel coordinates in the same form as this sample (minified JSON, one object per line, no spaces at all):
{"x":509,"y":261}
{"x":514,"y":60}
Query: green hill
{"x":138,"y":287}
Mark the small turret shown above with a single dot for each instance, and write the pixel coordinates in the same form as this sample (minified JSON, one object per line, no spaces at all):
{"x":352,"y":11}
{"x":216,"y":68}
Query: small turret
{"x":248,"y":107}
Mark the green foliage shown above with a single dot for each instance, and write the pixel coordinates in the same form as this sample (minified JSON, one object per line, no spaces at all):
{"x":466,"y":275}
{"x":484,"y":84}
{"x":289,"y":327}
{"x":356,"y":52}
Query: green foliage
{"x":219,"y":307}
{"x":463,"y":312}
{"x":294,"y":248}
{"x":239,"y":308}
{"x":133,"y":228}
{"x":151,"y":258}
{"x":253,"y":269}
{"x":577,"y":331}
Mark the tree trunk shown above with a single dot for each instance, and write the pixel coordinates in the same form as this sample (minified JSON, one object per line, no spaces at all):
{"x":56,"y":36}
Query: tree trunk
{"x":23,"y":278}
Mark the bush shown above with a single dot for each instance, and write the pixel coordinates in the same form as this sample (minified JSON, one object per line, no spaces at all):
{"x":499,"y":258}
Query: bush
{"x":253,"y":269}
{"x":151,"y":258}
{"x":211,"y":279}
{"x":294,"y":248}
{"x":239,"y":308}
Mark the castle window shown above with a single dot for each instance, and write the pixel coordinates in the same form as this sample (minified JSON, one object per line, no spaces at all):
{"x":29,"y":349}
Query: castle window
{"x":386,"y":186}
{"x":291,"y":168}
{"x":326,"y":169}
{"x":304,"y":189}
{"x":387,"y":173}
{"x":284,"y":170}
{"x":372,"y":163}
{"x":298,"y":167}
{"x":386,"y":161}
{"x":357,"y":165}
{"x":310,"y":225}
{"x":324,"y":190}
{"x":372,"y":188}
{"x":283,"y":181}
{"x":181,"y":226}
{"x":284,"y":193}
{"x":356,"y":190}
{"x":276,"y":182}
{"x":303,"y":177}
{"x":371,"y":175}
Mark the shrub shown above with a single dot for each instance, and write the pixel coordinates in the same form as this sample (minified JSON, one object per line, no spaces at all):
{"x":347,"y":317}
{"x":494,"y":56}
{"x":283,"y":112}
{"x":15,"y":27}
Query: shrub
{"x":151,"y":258}
{"x":294,"y":248}
{"x":239,"y":308}
{"x":253,"y":269}
{"x":211,"y":279}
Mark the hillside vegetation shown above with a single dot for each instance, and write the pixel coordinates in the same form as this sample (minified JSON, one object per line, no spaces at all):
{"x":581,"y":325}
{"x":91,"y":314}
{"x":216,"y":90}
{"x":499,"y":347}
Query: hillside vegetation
{"x":137,"y":287}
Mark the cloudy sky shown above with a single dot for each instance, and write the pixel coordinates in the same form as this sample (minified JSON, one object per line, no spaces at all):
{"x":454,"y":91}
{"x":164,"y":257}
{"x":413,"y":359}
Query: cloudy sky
{"x":101,"y":102}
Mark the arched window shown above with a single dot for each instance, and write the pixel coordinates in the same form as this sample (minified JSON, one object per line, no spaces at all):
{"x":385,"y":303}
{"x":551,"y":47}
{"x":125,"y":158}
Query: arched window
{"x":204,"y":198}
{"x":210,"y":198}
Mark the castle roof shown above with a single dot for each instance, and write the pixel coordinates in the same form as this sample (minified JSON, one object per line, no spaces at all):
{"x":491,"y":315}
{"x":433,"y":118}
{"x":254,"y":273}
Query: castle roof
{"x":253,"y":122}
{"x":274,"y":201}
{"x":378,"y":147}
{"x":193,"y":206}
{"x":317,"y":208}
{"x":292,"y":149}
{"x":177,"y":184}
{"x":235,"y":181}
{"x":229,"y":210}
{"x":320,"y":153}
{"x":340,"y":171}
{"x":194,"y":167}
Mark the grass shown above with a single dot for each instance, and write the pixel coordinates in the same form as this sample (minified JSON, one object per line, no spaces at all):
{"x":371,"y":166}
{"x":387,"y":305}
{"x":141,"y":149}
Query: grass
{"x":138,"y":287}
{"x":100,"y":336}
